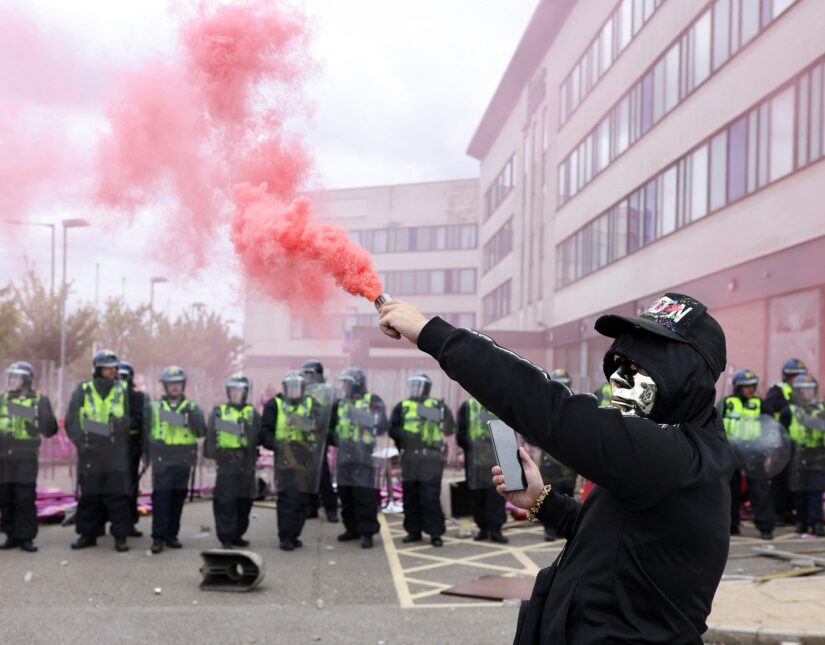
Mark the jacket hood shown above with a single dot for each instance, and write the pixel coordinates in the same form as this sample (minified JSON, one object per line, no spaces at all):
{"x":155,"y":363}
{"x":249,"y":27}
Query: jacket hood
{"x":685,"y":384}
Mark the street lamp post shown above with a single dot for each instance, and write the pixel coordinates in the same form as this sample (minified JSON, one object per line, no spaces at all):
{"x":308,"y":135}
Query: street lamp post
{"x":67,"y":224}
{"x":45,"y":225}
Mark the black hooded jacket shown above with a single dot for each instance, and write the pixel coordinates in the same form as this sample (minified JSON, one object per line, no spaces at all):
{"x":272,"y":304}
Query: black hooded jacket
{"x":646,"y":551}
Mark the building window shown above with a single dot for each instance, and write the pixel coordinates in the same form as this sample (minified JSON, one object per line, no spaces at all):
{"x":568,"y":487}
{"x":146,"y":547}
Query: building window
{"x":429,"y":281}
{"x":781,"y":135}
{"x":611,"y":40}
{"x":500,"y":188}
{"x":496,"y":304}
{"x":497,"y":247}
{"x":703,"y":48}
{"x":422,"y":238}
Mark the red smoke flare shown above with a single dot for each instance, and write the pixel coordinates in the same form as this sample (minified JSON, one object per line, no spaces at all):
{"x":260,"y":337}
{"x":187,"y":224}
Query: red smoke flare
{"x":294,"y":258}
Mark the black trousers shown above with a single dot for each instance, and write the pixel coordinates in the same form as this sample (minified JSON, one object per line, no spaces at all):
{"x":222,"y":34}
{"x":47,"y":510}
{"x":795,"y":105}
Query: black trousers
{"x":808,"y":506}
{"x":784,"y":502}
{"x":488,"y":508}
{"x":760,"y":493}
{"x":103,"y":495}
{"x":422,"y":508}
{"x":232,"y":503}
{"x":326,"y":493}
{"x":135,"y":451}
{"x":18,"y":513}
{"x":169,"y":487}
{"x":359,"y":509}
{"x":291,"y":513}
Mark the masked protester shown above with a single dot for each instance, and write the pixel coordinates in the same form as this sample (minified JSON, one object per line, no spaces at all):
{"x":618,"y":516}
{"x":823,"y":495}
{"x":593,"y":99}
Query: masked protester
{"x":777,"y":399}
{"x":98,"y":423}
{"x":358,"y":417}
{"x":804,"y":417}
{"x":176,"y":425}
{"x":232,"y":440}
{"x":418,"y":427}
{"x":295,"y":427}
{"x":740,"y":415}
{"x":25,"y":416}
{"x":139,"y":419}
{"x":645,"y":553}
{"x":474,"y":438}
{"x":313,"y":373}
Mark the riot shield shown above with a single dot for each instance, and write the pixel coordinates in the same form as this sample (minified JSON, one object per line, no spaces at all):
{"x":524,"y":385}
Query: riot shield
{"x":19,"y":441}
{"x":480,"y":456}
{"x":422,"y":458}
{"x":299,"y":457}
{"x":761,"y":445}
{"x":354,"y":464}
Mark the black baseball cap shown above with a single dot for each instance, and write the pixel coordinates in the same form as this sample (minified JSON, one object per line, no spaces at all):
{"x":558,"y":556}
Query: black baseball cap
{"x":678,"y":318}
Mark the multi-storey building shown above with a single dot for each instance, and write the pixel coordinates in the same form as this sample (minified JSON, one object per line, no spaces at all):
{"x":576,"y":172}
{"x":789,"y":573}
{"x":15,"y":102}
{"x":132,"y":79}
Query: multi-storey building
{"x":635,"y":147}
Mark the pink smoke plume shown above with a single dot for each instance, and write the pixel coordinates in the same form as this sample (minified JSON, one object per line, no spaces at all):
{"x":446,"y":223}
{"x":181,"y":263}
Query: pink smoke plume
{"x":294,"y":258}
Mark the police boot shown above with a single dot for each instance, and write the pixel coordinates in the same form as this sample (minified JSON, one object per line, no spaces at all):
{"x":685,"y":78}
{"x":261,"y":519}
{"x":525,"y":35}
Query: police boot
{"x":287,"y":545}
{"x":366,"y":541}
{"x":819,"y":530}
{"x":174,"y":543}
{"x":347,"y":536}
{"x":483,"y":534}
{"x":411,"y":537}
{"x":800,"y":528}
{"x":498,"y":537}
{"x":120,"y":545}
{"x":436,"y":541}
{"x":549,"y":534}
{"x":240,"y":542}
{"x":84,"y":542}
{"x":10,"y":543}
{"x":157,"y":546}
{"x":28,"y":546}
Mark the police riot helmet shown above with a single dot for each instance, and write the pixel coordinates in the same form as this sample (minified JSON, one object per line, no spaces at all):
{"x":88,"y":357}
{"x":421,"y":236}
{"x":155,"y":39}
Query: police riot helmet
{"x":359,"y":381}
{"x":173,"y":374}
{"x":743,"y":378}
{"x":344,"y":386}
{"x":805,"y":388}
{"x":103,"y":359}
{"x":419,"y":386}
{"x":313,"y":372}
{"x":238,"y":381}
{"x":561,"y":376}
{"x":793,"y":367}
{"x":125,"y":371}
{"x":294,"y":385}
{"x":19,"y":370}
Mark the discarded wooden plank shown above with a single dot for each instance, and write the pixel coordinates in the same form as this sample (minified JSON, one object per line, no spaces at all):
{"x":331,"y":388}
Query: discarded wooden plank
{"x":793,"y":573}
{"x":769,"y":552}
{"x":493,"y":588}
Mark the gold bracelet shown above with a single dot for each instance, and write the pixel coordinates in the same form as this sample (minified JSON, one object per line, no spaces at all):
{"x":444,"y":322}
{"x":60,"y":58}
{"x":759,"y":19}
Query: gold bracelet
{"x":531,"y":514}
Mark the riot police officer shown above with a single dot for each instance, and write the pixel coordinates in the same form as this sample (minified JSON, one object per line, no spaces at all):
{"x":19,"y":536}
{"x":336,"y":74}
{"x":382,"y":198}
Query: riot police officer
{"x":474,"y":438}
{"x":313,"y":372}
{"x":177,"y":424}
{"x":777,"y":398}
{"x":358,"y":417}
{"x":232,"y":440}
{"x":418,"y":426}
{"x":739,"y":412}
{"x":98,"y":423}
{"x":294,"y":427}
{"x":25,"y":416}
{"x":804,"y":417}
{"x":138,"y":424}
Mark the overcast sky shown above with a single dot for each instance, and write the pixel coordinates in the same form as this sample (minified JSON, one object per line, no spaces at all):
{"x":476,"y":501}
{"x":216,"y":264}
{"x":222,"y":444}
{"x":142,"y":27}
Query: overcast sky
{"x":400,"y":89}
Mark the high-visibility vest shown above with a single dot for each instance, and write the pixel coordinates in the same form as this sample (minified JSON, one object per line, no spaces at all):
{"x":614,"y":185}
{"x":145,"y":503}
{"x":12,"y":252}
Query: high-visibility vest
{"x":344,"y":430}
{"x":429,"y":431}
{"x":96,"y":408}
{"x":166,"y":433}
{"x":787,"y":391}
{"x":738,"y":417}
{"x":803,"y":435}
{"x":286,"y":410}
{"x":245,"y":417}
{"x":477,"y":429}
{"x":16,"y":426}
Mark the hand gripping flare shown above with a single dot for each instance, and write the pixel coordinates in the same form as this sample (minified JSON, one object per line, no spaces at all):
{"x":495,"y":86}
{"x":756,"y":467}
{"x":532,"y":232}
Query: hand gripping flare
{"x":381,"y":300}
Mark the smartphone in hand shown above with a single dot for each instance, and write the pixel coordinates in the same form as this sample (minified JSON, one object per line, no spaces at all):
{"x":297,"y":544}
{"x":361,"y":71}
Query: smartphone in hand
{"x":506,"y":449}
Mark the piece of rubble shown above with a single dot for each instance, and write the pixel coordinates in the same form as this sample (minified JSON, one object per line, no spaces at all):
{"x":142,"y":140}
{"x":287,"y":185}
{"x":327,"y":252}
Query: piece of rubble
{"x":28,"y":577}
{"x":158,"y":591}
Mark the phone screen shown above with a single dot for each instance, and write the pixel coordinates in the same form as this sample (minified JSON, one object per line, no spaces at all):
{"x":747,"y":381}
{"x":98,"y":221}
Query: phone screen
{"x":506,"y":448}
